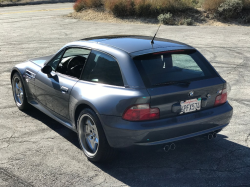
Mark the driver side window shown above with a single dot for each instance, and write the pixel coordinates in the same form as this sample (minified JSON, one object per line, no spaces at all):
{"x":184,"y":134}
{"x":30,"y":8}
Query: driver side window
{"x":54,"y":62}
{"x":73,"y":61}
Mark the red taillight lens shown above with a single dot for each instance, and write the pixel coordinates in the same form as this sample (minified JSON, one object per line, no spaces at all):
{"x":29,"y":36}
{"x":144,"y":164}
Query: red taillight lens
{"x":221,"y":99}
{"x":141,"y":113}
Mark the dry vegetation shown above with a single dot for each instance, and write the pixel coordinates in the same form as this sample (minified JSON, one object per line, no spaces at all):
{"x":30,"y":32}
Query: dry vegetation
{"x":212,"y":5}
{"x":137,"y":7}
{"x":7,"y":1}
{"x":246,"y":4}
{"x":152,"y":7}
{"x":180,"y":10}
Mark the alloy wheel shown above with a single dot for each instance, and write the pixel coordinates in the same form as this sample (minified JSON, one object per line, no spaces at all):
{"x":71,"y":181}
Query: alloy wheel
{"x":18,"y":91}
{"x":88,"y":135}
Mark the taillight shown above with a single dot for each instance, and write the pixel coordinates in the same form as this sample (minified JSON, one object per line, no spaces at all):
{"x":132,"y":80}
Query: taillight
{"x":221,"y":99}
{"x":141,"y":112}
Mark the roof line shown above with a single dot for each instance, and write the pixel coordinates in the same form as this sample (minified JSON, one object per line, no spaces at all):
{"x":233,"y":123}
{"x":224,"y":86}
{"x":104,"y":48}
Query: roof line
{"x":108,"y":37}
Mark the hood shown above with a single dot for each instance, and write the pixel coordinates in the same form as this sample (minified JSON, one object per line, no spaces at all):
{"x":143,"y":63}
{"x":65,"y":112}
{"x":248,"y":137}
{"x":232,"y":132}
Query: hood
{"x":42,"y":60}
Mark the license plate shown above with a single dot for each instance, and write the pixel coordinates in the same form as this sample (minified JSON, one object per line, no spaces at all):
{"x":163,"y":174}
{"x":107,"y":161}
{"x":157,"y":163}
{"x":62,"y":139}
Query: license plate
{"x":190,"y":105}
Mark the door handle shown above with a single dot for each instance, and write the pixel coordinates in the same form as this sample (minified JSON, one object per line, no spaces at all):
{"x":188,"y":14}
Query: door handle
{"x":64,"y":89}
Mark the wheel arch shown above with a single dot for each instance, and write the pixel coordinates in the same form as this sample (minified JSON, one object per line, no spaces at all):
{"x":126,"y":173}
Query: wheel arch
{"x":79,"y":108}
{"x":14,"y":70}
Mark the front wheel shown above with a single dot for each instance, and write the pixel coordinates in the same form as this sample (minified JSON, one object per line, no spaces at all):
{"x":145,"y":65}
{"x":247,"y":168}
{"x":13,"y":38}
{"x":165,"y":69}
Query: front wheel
{"x":92,"y":138}
{"x":19,"y":93}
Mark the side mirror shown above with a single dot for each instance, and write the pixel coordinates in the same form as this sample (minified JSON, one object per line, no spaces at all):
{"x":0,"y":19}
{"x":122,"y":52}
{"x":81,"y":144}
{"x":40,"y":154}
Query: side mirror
{"x":47,"y":70}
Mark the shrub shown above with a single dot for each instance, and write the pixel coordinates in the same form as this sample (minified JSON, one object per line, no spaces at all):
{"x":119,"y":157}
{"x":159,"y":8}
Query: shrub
{"x":189,"y":21}
{"x":143,"y":8}
{"x":146,"y":8}
{"x":246,"y":4}
{"x":230,"y":8}
{"x":246,"y":19}
{"x":80,"y":4}
{"x":175,"y":5}
{"x":186,"y":21}
{"x":120,"y":7}
{"x":212,"y":5}
{"x":166,"y":19}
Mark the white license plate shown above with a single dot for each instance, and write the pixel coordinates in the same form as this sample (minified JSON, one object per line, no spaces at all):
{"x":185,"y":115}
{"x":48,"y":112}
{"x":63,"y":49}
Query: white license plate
{"x":190,"y":105}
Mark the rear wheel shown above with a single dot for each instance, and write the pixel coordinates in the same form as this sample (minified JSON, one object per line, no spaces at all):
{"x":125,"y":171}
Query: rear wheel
{"x":19,"y":93}
{"x":92,"y":138}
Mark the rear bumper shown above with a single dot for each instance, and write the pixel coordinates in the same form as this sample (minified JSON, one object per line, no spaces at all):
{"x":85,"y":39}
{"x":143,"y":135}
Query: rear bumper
{"x":126,"y":134}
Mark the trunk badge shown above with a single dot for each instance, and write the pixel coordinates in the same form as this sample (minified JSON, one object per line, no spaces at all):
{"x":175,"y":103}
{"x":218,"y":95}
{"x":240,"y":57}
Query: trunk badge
{"x":208,"y":96}
{"x":191,"y":93}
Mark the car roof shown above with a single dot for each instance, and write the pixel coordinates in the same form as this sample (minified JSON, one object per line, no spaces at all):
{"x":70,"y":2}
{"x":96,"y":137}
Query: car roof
{"x":135,"y":43}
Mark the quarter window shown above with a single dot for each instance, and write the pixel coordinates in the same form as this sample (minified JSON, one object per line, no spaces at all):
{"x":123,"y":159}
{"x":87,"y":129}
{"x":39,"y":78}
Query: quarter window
{"x":102,"y":68}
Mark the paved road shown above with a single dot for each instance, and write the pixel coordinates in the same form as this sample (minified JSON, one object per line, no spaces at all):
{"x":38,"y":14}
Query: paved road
{"x":37,"y":151}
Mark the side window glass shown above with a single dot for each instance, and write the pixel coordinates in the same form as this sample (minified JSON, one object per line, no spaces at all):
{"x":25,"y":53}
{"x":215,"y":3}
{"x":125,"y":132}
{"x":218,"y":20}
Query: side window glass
{"x":102,"y":68}
{"x":73,"y":61}
{"x":55,"y":61}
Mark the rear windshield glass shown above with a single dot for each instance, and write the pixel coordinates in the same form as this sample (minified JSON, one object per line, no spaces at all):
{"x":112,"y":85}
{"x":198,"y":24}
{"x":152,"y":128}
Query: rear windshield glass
{"x":161,"y":68}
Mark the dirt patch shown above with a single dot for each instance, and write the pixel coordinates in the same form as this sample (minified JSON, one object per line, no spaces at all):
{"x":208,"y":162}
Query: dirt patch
{"x":199,"y":16}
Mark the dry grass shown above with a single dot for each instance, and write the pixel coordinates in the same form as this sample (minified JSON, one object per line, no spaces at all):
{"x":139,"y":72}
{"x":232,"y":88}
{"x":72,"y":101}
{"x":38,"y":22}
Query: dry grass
{"x":246,"y":4}
{"x":103,"y":16}
{"x":100,"y":15}
{"x":120,"y":7}
{"x":212,"y":5}
{"x":80,"y":4}
{"x":140,"y":8}
{"x":151,"y":8}
{"x":146,"y":8}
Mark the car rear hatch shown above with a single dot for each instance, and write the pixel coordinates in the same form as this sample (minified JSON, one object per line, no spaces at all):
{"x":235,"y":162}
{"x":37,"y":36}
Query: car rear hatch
{"x":179,"y":82}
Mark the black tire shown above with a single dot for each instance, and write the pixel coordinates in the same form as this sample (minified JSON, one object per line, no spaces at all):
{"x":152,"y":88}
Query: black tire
{"x":22,"y":104}
{"x":100,"y":152}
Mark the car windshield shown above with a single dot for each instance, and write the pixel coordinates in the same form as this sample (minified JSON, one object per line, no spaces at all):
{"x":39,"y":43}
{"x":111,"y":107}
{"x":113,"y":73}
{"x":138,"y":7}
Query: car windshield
{"x":171,"y":67}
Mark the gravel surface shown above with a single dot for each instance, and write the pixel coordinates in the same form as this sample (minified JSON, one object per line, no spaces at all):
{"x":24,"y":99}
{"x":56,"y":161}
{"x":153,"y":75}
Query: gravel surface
{"x":37,"y":151}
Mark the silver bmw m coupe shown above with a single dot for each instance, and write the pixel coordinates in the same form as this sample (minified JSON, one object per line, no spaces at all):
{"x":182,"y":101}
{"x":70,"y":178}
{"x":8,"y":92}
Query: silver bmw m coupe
{"x":125,"y":92}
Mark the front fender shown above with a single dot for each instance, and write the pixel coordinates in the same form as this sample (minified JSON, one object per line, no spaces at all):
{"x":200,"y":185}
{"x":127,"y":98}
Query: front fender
{"x":21,"y":69}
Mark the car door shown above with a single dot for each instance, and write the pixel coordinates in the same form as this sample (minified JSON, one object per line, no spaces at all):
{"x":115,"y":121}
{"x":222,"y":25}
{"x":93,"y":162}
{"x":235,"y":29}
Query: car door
{"x":53,"y":91}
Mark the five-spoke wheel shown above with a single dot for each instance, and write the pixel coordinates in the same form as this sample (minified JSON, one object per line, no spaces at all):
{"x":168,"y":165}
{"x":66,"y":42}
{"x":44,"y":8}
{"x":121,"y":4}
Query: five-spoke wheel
{"x":19,"y":92}
{"x":88,"y":133}
{"x":92,"y":138}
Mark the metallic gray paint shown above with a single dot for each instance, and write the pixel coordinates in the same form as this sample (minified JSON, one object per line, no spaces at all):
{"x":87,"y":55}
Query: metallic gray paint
{"x":42,"y":60}
{"x":123,"y":134}
{"x":109,"y":102}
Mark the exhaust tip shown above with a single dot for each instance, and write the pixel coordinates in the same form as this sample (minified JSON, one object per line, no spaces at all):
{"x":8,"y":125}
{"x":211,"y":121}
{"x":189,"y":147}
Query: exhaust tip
{"x":209,"y":136}
{"x":214,"y":135}
{"x":166,"y":148}
{"x":172,"y":146}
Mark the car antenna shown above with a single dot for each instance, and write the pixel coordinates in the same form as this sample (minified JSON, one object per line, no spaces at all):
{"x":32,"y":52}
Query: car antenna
{"x":152,"y":41}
